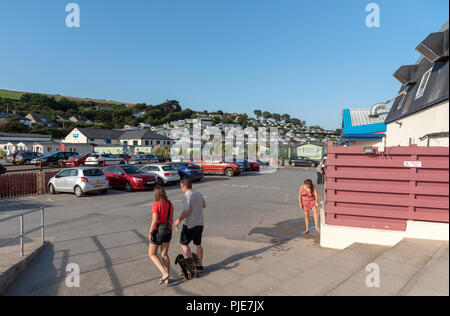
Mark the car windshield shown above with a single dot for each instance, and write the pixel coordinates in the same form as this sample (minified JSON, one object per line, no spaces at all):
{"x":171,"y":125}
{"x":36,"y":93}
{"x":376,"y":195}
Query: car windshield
{"x":133,"y":170}
{"x":93,"y":173}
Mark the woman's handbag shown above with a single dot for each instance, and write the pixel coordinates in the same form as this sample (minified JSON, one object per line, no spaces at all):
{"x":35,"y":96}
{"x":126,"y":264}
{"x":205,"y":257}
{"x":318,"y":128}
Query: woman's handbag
{"x":164,"y":228}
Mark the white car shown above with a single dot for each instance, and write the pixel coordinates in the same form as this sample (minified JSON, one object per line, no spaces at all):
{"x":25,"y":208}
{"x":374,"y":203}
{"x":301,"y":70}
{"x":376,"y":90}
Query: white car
{"x":103,"y":160}
{"x":79,"y":181}
{"x":164,"y":173}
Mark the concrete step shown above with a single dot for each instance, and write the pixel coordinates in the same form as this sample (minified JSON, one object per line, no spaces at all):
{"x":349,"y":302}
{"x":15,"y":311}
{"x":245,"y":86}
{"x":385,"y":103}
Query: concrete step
{"x":399,"y":267}
{"x":328,"y":274}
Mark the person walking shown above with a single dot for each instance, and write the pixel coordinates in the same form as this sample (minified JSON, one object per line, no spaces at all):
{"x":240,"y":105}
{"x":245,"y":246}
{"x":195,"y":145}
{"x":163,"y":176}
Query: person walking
{"x":309,"y":200}
{"x":160,"y":233}
{"x":193,"y":205}
{"x":319,"y":173}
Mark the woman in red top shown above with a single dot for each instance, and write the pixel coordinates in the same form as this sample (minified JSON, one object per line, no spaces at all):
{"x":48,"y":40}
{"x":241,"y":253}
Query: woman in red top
{"x":160,"y":211}
{"x":308,"y":198}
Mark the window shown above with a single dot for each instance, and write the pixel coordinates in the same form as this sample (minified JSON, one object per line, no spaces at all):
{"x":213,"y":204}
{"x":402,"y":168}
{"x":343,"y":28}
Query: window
{"x":400,"y":104}
{"x":108,"y":141}
{"x":423,"y":84}
{"x":146,"y":143}
{"x":92,"y":140}
{"x":135,"y":142}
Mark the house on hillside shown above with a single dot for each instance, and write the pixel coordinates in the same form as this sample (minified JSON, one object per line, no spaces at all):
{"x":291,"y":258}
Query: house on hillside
{"x":80,"y":119}
{"x":42,"y":120}
{"x":420,"y":113}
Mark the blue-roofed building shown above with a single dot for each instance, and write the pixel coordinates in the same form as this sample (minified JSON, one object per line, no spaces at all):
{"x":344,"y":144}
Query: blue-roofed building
{"x":364,"y":127}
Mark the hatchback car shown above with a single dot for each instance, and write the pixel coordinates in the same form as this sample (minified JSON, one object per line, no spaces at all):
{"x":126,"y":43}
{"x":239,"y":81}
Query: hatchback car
{"x":164,"y":173}
{"x":79,"y":181}
{"x":188,"y":170}
{"x":129,"y":178}
{"x":24,"y":157}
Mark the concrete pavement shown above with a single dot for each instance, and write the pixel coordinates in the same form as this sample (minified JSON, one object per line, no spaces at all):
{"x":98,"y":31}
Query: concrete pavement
{"x":253,"y":246}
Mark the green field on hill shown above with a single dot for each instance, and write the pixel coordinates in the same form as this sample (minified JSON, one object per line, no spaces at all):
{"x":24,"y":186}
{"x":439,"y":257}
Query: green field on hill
{"x":13,"y":95}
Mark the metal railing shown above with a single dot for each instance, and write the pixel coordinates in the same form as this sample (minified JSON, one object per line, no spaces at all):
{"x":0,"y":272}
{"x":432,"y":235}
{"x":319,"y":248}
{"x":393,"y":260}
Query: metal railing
{"x":22,"y":224}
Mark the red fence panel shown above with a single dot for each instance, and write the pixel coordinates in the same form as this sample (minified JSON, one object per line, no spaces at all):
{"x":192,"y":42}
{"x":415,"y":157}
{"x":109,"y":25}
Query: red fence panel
{"x":18,"y":184}
{"x":386,"y":189}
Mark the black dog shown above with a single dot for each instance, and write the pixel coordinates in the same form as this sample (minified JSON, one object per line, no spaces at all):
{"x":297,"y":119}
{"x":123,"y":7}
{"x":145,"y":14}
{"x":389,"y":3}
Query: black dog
{"x":188,"y":265}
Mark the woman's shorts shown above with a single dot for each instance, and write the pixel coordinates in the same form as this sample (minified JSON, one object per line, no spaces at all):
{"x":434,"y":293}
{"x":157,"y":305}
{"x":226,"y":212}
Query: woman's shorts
{"x":158,"y":241}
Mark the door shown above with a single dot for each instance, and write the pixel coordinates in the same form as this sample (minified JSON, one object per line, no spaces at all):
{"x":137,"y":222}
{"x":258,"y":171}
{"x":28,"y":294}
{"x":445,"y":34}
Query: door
{"x":71,"y":180}
{"x":111,"y":176}
{"x":60,"y":181}
{"x":121,"y":177}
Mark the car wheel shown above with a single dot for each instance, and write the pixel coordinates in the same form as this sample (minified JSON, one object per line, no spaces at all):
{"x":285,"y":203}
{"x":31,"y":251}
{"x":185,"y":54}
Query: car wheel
{"x":185,"y":177}
{"x":79,"y":191}
{"x":51,"y":189}
{"x":122,"y":163}
{"x":128,"y":187}
{"x":313,"y":165}
{"x":160,"y":182}
{"x":229,"y":172}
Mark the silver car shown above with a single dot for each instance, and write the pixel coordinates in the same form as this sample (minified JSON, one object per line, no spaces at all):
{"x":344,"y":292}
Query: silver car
{"x":79,"y":181}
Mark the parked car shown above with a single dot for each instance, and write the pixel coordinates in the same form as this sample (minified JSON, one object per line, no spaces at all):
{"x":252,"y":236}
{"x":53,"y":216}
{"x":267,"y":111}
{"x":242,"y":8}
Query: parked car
{"x":303,"y":161}
{"x":220,"y":167}
{"x":24,"y":157}
{"x":53,"y":158}
{"x":2,"y":169}
{"x":243,"y":165}
{"x":124,"y":157}
{"x":254,"y":166}
{"x":138,"y":160}
{"x":129,"y":178}
{"x":187,"y":170}
{"x":152,"y":158}
{"x":79,"y":181}
{"x":164,"y":173}
{"x":103,"y":160}
{"x":77,"y":161}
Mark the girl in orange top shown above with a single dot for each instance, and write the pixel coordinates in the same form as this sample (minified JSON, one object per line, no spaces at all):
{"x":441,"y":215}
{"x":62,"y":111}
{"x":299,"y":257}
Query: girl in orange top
{"x":308,"y":198}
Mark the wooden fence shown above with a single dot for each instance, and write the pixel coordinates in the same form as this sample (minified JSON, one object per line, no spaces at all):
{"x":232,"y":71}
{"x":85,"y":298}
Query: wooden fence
{"x":23,"y":184}
{"x":384,"y":190}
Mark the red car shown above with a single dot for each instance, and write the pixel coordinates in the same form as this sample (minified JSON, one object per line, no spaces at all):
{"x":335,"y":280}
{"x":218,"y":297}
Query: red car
{"x":129,"y":177}
{"x":77,"y":161}
{"x":220,"y":167}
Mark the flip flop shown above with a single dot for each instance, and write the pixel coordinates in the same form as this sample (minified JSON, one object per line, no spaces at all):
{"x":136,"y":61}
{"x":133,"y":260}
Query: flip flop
{"x":161,"y":281}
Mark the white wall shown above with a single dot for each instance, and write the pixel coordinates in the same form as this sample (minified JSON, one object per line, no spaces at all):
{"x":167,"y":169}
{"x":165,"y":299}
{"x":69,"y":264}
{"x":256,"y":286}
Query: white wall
{"x":415,"y":126}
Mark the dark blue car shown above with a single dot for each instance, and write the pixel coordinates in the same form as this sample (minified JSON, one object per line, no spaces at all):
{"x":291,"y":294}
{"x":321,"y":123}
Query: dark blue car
{"x":188,"y":170}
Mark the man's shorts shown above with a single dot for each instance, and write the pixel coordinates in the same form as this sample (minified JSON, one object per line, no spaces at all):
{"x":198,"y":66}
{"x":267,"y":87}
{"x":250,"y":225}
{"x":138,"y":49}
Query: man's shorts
{"x":194,"y":234}
{"x":158,"y":241}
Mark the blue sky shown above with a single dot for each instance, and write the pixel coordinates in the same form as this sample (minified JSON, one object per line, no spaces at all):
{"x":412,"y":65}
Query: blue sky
{"x":283,"y":56}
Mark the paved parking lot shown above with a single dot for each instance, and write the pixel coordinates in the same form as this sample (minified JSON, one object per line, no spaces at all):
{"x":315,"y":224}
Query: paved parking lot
{"x":97,"y":232}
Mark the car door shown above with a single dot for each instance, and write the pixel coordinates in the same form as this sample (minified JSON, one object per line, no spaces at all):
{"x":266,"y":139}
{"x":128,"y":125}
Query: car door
{"x":60,"y":181}
{"x":111,"y":176}
{"x":71,"y":180}
{"x":121,"y":177}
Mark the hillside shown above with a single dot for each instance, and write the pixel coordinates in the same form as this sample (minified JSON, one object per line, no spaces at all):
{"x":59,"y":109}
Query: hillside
{"x":16,"y":95}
